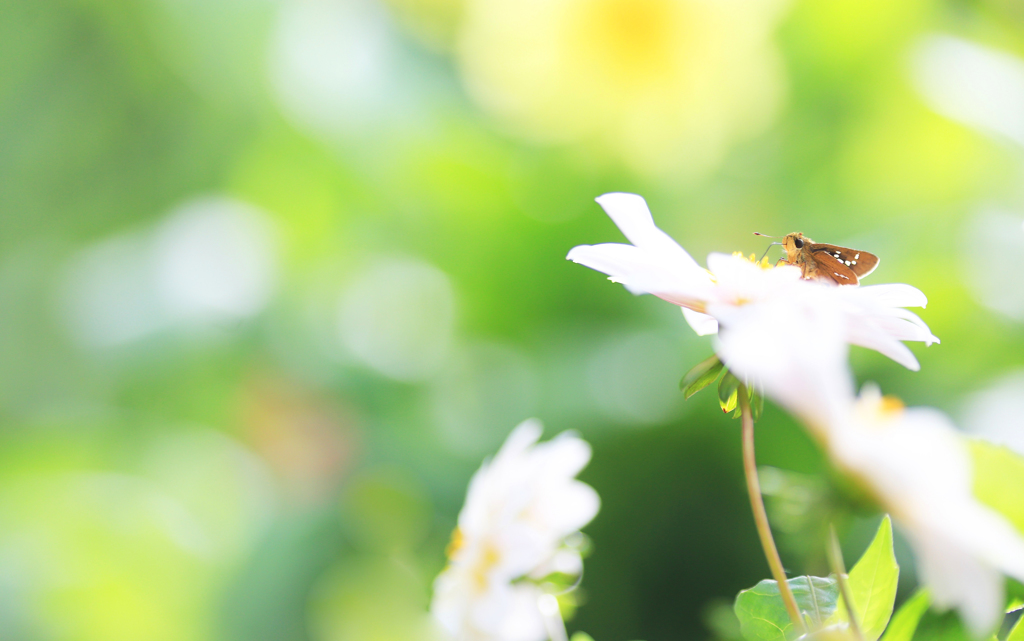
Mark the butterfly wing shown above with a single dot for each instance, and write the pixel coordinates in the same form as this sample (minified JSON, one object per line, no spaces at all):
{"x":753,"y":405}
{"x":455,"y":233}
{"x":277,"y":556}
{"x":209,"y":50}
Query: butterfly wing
{"x":859,"y":262}
{"x":829,"y":268}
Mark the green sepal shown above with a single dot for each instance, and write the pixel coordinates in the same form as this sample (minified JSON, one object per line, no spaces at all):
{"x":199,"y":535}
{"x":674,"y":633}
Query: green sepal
{"x":763,"y":615}
{"x":581,"y":636}
{"x":728,"y":390}
{"x":702,"y":375}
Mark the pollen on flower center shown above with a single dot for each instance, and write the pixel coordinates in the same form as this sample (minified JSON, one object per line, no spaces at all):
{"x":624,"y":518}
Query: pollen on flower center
{"x":488,"y":559}
{"x":880,"y":410}
{"x":764,"y":263}
{"x":890,"y":406}
{"x":456,"y":543}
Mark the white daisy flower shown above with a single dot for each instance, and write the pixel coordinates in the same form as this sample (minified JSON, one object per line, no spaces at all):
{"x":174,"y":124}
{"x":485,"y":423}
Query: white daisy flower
{"x":733,"y":289}
{"x":520,"y":508}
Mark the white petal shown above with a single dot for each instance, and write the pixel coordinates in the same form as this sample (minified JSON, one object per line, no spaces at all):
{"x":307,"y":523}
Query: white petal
{"x":735,"y":272}
{"x":907,"y":323}
{"x":796,"y":353}
{"x":523,"y":621}
{"x":450,"y":600}
{"x":484,"y":487}
{"x":919,"y":467}
{"x":520,"y":439}
{"x":644,"y":272}
{"x":565,"y":561}
{"x":701,"y":323}
{"x":893,"y":295}
{"x":731,"y":268}
{"x":631,"y":215}
{"x":993,"y":539}
{"x":865,"y":335}
{"x":488,"y":611}
{"x":563,"y":456}
{"x":569,"y":508}
{"x":957,"y":579}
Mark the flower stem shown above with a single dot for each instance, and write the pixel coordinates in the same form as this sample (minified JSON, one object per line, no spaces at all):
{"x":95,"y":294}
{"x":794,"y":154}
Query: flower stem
{"x":835,"y":561}
{"x":764,"y":530}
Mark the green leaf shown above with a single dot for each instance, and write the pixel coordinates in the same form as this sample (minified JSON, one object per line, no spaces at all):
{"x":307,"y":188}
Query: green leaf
{"x":728,"y":389}
{"x":1017,"y":632}
{"x":998,"y":477}
{"x":836,"y":632}
{"x":763,"y":615}
{"x":581,"y":636}
{"x":904,"y":624}
{"x":944,"y":626}
{"x":872,"y":583}
{"x":702,"y":375}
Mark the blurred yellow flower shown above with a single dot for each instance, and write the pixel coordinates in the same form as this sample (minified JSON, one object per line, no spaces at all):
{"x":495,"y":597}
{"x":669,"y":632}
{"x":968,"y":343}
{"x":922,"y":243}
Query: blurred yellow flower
{"x":665,"y":85}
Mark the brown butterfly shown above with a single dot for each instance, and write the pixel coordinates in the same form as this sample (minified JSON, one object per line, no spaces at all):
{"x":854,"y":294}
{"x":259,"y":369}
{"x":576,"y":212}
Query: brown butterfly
{"x":829,"y":263}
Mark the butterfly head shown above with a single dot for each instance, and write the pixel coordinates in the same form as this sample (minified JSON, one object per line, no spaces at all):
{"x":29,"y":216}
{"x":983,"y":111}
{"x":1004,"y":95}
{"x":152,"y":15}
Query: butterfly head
{"x":794,"y":244}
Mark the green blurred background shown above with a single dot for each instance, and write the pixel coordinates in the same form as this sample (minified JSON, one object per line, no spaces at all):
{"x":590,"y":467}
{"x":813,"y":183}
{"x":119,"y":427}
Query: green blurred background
{"x":276,"y":275}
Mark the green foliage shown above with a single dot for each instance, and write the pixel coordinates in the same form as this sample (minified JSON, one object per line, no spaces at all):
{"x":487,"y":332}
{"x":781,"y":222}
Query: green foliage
{"x":117,"y":116}
{"x":998,"y":477}
{"x":728,"y":392}
{"x":872,"y":583}
{"x":763,"y":615}
{"x":756,"y":403}
{"x":1017,"y":632}
{"x":707,"y":372}
{"x":904,"y":624}
{"x":702,"y":375}
{"x":941,"y":626}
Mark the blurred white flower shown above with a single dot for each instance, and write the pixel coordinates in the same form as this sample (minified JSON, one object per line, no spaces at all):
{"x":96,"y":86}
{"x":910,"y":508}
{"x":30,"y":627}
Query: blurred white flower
{"x":992,"y":274}
{"x":212,"y":262}
{"x":919,"y":468}
{"x":971,"y":83}
{"x":996,"y":412}
{"x":216,"y":260}
{"x":398,"y":317}
{"x":912,"y":461}
{"x":331,"y":64}
{"x":520,"y":508}
{"x":734,"y":291}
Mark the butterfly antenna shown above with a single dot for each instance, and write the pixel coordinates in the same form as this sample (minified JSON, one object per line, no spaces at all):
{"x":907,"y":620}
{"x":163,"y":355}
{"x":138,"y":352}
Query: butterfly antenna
{"x":757,"y":233}
{"x":767,"y":250}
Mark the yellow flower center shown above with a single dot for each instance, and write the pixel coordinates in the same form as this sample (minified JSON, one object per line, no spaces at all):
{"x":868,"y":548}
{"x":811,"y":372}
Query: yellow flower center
{"x":488,"y":560}
{"x":764,"y":263}
{"x":455,"y":544}
{"x":890,"y":407}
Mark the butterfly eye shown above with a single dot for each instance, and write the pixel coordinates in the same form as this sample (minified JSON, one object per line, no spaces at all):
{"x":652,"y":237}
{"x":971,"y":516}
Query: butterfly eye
{"x":799,"y":243}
